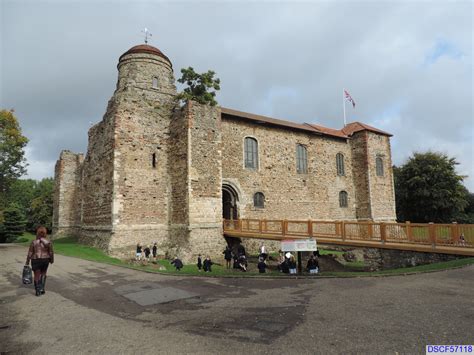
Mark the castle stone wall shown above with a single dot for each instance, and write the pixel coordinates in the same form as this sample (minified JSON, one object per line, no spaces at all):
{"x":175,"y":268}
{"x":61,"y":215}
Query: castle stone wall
{"x":361,"y":183}
{"x":67,"y":194}
{"x":196,"y":174}
{"x":97,"y":187}
{"x":288,"y":194}
{"x":382,"y":192}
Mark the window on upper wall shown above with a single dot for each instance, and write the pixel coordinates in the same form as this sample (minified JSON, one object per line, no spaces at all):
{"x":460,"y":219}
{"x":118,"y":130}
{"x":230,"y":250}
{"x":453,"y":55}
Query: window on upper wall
{"x":379,"y":166}
{"x":155,"y":83}
{"x":251,"y":153}
{"x":153,"y":160}
{"x":259,"y":200}
{"x":301,"y":159}
{"x":340,"y":164}
{"x":342,"y":199}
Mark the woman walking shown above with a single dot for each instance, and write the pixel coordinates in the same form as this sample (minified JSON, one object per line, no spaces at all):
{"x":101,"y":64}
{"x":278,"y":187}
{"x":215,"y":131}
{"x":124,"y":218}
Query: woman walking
{"x":41,"y":255}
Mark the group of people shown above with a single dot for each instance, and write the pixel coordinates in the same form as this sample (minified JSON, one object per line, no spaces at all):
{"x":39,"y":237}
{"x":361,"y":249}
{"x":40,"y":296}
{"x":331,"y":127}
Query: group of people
{"x":287,"y":263}
{"x":238,"y":256}
{"x":146,"y":253}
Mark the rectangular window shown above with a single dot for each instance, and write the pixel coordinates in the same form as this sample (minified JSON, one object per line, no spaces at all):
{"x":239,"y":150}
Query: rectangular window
{"x":251,"y":153}
{"x":301,"y":159}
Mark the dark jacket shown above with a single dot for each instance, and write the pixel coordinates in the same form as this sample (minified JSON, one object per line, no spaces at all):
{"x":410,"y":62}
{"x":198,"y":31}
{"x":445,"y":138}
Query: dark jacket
{"x":261,"y":267}
{"x":312,"y":264}
{"x":199,"y":263}
{"x":207,"y":265}
{"x":227,"y":254}
{"x":177,"y":263}
{"x":285,"y":267}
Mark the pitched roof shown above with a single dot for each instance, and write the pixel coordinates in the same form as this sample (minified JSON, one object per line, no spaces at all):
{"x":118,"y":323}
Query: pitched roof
{"x":354,"y":127}
{"x":328,"y":131}
{"x":344,"y":133}
{"x":267,"y":120}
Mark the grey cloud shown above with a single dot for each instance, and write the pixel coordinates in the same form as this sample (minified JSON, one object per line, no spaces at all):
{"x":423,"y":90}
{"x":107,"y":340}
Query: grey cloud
{"x":287,"y":60}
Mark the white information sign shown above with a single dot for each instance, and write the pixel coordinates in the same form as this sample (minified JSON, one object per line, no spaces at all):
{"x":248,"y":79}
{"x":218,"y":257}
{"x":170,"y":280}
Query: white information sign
{"x":299,"y":245}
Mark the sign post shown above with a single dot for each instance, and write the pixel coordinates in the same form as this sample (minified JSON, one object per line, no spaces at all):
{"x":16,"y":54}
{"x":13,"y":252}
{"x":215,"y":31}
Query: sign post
{"x":299,"y":245}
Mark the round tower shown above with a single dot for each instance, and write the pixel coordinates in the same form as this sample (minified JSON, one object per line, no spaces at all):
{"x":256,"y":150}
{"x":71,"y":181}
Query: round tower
{"x":145,"y":67}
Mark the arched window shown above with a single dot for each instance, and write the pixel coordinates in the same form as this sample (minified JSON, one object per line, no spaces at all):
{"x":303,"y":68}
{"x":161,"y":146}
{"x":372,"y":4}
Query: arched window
{"x":251,"y":153}
{"x":155,"y":83}
{"x":259,"y":200}
{"x":379,"y":166}
{"x":342,"y":199}
{"x":340,"y":164}
{"x":301,"y":159}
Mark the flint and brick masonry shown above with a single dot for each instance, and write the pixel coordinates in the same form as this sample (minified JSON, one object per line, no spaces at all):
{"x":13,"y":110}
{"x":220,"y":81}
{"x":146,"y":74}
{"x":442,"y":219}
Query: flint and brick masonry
{"x":156,"y":171}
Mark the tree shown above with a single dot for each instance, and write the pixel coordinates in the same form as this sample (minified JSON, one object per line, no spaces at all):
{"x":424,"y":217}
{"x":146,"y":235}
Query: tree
{"x":41,"y":207}
{"x":22,"y":192}
{"x":12,"y":154}
{"x":14,"y":223}
{"x":199,"y":86}
{"x":428,"y":189}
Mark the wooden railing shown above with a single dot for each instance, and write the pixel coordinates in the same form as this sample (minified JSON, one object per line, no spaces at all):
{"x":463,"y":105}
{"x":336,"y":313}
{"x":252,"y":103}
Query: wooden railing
{"x":441,"y":238}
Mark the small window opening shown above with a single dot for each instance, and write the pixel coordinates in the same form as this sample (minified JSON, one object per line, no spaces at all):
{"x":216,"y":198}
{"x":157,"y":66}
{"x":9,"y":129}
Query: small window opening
{"x":153,"y":160}
{"x":379,"y":166}
{"x":343,"y":199}
{"x":259,"y":200}
{"x":155,"y":83}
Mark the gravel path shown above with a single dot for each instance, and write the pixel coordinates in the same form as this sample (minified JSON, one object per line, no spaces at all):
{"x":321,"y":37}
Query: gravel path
{"x":97,"y":308}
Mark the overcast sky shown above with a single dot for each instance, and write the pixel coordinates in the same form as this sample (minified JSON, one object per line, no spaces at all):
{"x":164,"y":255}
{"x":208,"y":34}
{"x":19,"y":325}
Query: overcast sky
{"x":407,"y":64}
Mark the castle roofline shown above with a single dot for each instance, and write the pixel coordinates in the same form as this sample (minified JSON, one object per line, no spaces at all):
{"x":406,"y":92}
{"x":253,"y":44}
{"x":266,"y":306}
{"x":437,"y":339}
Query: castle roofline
{"x":267,"y":120}
{"x":145,"y":48}
{"x":344,"y":133}
{"x":354,"y":127}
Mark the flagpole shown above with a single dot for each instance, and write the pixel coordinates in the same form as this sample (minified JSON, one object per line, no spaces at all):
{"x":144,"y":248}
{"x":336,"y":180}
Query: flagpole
{"x":344,"y":106}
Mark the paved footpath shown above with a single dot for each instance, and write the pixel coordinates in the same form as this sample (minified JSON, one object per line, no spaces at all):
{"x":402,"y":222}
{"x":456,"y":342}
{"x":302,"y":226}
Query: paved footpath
{"x":97,"y":308}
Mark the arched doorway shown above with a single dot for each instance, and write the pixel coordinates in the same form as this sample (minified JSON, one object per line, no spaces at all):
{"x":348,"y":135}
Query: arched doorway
{"x":229,"y":203}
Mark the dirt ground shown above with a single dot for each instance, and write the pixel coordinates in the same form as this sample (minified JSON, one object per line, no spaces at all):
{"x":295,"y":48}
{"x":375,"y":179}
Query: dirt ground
{"x":96,"y":308}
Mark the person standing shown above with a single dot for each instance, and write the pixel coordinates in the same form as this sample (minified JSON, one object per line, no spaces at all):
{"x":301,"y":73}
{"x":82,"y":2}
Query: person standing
{"x":139,"y":251}
{"x":312,"y":266}
{"x":154,"y":251}
{"x":207,"y":264}
{"x":147,"y":252}
{"x":292,"y":264}
{"x":199,"y":263}
{"x":263,"y":252}
{"x":261,"y":265}
{"x":41,"y":255}
{"x":227,"y":256}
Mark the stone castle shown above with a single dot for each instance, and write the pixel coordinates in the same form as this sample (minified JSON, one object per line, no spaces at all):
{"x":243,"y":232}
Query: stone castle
{"x":156,"y":171}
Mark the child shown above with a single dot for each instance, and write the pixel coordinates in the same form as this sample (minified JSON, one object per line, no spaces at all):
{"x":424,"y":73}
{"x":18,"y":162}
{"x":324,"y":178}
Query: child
{"x":261,"y":265}
{"x":154,"y":250}
{"x":313,"y":265}
{"x":207,"y":264}
{"x":243,"y":263}
{"x":292,"y":264}
{"x":147,"y":252}
{"x":178,"y":264}
{"x":227,"y":256}
{"x":138,"y":255}
{"x":199,"y":263}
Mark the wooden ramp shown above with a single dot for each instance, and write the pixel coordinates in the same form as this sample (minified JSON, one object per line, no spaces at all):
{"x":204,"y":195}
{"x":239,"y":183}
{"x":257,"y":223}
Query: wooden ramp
{"x":420,"y":237}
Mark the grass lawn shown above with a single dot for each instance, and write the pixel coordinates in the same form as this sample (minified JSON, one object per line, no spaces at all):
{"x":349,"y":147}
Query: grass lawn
{"x":70,"y":247}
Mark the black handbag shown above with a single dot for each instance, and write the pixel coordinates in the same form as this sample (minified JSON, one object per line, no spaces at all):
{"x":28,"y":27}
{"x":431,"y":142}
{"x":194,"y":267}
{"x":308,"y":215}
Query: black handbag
{"x":27,"y":275}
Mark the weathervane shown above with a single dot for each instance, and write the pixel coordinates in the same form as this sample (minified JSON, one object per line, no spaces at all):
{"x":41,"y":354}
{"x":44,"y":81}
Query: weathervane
{"x":147,"y":34}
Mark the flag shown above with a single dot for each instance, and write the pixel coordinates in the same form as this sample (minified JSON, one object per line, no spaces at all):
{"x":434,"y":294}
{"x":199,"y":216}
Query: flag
{"x":349,"y":98}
